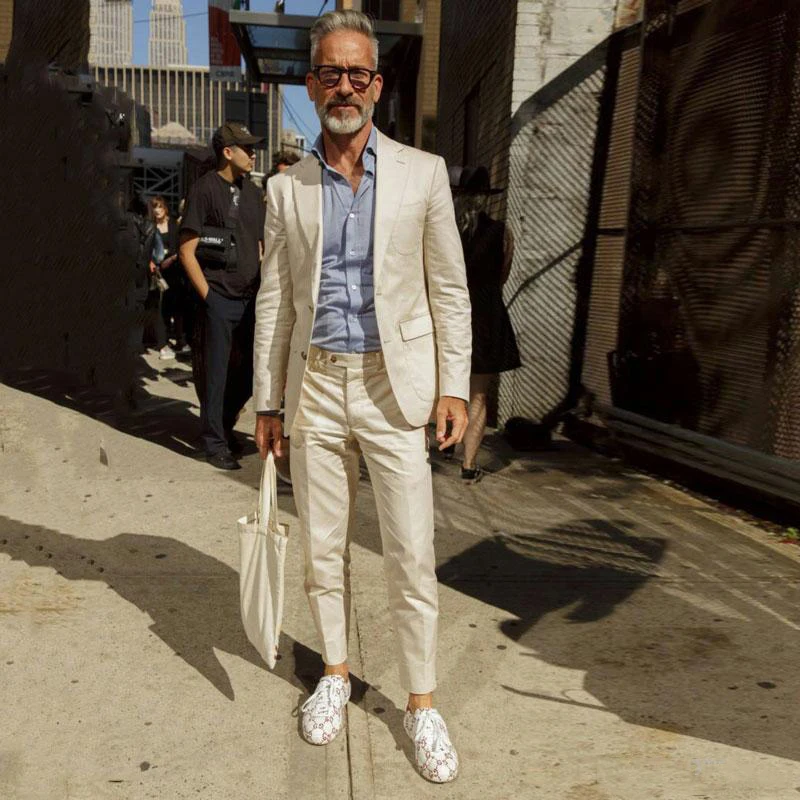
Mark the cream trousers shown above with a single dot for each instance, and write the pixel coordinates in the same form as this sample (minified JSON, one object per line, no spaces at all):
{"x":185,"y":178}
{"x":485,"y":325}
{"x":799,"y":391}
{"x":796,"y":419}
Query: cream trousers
{"x":347,"y":408}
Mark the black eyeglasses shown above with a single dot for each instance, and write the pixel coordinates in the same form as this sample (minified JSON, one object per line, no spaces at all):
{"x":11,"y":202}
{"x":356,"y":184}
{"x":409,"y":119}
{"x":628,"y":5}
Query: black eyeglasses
{"x":329,"y":76}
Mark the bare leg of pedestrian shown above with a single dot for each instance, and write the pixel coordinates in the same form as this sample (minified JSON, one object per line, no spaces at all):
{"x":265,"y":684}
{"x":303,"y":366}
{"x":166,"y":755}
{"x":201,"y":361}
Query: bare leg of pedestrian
{"x":478,"y":392}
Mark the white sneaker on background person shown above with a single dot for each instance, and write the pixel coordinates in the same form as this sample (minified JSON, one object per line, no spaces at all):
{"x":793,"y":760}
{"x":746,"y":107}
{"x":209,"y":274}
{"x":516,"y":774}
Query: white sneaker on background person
{"x":166,"y":353}
{"x":323,"y":712}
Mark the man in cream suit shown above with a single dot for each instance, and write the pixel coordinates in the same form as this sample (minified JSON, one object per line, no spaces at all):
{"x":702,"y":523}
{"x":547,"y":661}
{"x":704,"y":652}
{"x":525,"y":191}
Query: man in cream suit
{"x":363,"y":324}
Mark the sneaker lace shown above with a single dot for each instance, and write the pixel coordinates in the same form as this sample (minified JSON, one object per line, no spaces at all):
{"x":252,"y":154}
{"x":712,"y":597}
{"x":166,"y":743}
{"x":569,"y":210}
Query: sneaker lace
{"x":324,"y":696}
{"x":431,"y":726}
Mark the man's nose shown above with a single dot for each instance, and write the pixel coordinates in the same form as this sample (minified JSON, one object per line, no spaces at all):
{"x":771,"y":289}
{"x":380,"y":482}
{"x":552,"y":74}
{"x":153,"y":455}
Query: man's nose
{"x":345,"y":87}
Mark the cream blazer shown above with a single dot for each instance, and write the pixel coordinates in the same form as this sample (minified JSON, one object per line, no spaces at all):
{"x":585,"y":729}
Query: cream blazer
{"x":421,"y":300}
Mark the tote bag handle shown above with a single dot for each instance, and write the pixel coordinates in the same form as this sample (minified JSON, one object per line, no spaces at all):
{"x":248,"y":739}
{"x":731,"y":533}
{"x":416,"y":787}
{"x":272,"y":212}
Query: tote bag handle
{"x":267,"y":510}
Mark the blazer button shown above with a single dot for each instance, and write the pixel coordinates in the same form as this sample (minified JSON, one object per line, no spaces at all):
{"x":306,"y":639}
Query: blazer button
{"x":310,"y":307}
{"x":303,"y":356}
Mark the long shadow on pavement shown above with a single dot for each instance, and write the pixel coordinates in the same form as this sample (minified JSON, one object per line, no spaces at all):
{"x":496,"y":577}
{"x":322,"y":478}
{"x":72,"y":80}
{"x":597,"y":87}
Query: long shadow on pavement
{"x":192,"y":598}
{"x":585,"y":595}
{"x":691,"y":655}
{"x":163,"y":421}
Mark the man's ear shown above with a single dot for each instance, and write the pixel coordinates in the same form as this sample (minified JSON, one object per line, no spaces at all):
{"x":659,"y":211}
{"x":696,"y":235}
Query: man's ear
{"x":378,"y":83}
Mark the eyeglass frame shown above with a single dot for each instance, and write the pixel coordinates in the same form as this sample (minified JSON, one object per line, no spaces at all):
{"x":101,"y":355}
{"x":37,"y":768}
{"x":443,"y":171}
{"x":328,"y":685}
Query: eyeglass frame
{"x":342,"y":70}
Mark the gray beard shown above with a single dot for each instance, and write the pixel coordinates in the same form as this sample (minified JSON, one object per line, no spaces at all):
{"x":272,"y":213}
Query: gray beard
{"x":345,"y":126}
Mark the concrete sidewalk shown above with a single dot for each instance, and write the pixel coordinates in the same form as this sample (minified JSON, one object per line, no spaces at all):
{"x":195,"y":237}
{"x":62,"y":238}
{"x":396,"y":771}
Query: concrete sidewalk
{"x":602,"y":635}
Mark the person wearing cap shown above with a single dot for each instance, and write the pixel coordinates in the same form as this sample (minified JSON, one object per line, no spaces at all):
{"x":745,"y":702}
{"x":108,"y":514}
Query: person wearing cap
{"x":363,"y":316}
{"x":224,"y":203}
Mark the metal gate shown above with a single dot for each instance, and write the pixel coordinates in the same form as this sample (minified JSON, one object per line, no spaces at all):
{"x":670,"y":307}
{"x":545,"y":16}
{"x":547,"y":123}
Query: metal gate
{"x":159,"y":180}
{"x":700,"y":331}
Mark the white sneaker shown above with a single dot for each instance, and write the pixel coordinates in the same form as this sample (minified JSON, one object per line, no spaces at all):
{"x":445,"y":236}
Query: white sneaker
{"x":166,"y":353}
{"x":323,"y":712}
{"x":435,"y":756}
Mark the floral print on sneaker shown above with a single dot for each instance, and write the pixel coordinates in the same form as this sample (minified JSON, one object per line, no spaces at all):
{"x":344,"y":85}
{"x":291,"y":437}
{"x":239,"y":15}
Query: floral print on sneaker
{"x":323,"y":712}
{"x":435,"y":756}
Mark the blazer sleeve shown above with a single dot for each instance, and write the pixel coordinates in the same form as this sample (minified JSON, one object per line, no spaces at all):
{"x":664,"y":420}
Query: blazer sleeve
{"x":275,"y":313}
{"x":446,"y":279}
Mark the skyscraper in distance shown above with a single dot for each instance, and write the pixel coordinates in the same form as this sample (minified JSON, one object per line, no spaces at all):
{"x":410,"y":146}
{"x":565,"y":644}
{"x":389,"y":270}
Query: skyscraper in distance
{"x":167,"y":34}
{"x":111,"y":32}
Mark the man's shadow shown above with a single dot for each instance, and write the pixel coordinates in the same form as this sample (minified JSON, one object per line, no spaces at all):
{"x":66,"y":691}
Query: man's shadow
{"x":192,"y":598}
{"x":592,"y":566}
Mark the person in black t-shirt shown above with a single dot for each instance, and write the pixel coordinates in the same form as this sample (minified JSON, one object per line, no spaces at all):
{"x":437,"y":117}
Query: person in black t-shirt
{"x":222,"y":353}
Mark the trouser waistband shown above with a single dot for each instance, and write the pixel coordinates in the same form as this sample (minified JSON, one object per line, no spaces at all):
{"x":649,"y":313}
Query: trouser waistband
{"x":346,"y":360}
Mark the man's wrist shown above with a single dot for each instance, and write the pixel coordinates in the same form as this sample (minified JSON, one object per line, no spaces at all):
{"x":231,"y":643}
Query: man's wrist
{"x":268,"y":413}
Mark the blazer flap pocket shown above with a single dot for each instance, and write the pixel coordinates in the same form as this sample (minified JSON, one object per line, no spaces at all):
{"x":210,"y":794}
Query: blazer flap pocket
{"x":416,"y":327}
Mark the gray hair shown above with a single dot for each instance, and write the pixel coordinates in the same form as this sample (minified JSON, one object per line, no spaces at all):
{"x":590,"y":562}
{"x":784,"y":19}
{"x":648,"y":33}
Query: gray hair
{"x":343,"y":21}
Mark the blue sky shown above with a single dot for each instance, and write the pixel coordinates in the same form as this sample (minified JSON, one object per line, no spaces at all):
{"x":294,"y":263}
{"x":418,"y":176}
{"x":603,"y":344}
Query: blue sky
{"x":196,"y":12}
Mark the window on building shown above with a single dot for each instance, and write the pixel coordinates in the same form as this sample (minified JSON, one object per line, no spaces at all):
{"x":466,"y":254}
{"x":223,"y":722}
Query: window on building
{"x":472,"y":115}
{"x":382,"y":9}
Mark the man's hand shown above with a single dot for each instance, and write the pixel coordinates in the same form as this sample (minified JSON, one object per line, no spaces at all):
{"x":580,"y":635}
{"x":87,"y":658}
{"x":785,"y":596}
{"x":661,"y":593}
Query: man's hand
{"x":450,"y":409}
{"x":269,"y":435}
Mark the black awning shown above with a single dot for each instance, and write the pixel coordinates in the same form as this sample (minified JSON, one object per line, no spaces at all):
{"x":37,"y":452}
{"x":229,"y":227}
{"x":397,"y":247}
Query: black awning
{"x":276,"y":46}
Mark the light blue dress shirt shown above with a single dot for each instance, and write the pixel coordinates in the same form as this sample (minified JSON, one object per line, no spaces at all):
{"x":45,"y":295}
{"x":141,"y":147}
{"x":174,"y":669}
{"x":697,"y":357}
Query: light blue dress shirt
{"x":345,"y":319}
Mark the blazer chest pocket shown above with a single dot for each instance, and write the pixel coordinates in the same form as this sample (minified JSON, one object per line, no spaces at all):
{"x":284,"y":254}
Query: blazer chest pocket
{"x":407,"y":230}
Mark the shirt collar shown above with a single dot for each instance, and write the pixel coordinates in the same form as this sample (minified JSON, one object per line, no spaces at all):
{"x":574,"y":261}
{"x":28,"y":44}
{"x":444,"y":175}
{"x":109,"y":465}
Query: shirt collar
{"x":370,"y":152}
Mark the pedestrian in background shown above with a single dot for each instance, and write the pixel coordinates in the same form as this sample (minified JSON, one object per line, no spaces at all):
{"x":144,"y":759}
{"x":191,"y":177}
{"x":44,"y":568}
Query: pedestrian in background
{"x":488,"y":253}
{"x":221,"y":245}
{"x":173,"y":297}
{"x":281,"y":161}
{"x":155,"y":332}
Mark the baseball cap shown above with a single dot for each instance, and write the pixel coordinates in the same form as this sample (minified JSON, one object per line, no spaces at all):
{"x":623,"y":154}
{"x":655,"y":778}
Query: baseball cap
{"x":231,"y":133}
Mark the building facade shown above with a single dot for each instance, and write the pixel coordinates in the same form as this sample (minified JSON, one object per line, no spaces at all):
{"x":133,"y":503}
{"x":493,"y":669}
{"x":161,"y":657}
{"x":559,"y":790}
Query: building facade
{"x":293,"y":142}
{"x":167,"y":34}
{"x":185,"y":106}
{"x":111,"y":32}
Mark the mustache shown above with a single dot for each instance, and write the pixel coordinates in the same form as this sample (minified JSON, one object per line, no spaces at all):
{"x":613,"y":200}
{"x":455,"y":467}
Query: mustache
{"x":343,"y":103}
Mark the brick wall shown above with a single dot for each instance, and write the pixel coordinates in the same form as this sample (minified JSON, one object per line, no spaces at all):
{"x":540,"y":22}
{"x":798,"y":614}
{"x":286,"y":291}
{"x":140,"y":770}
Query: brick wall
{"x":476,"y":61}
{"x":550,"y":165}
{"x":629,"y":12}
{"x":510,"y":51}
{"x":67,"y":265}
{"x":408,"y":10}
{"x":428,"y":77}
{"x":6,"y":22}
{"x":551,"y":35}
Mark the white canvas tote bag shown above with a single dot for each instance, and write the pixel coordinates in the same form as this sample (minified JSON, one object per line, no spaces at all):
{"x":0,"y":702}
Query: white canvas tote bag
{"x":262,"y":555}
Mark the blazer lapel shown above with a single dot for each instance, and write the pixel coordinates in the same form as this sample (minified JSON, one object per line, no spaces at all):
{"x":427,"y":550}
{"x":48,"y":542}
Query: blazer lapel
{"x":391,"y":177}
{"x":307,"y":186}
